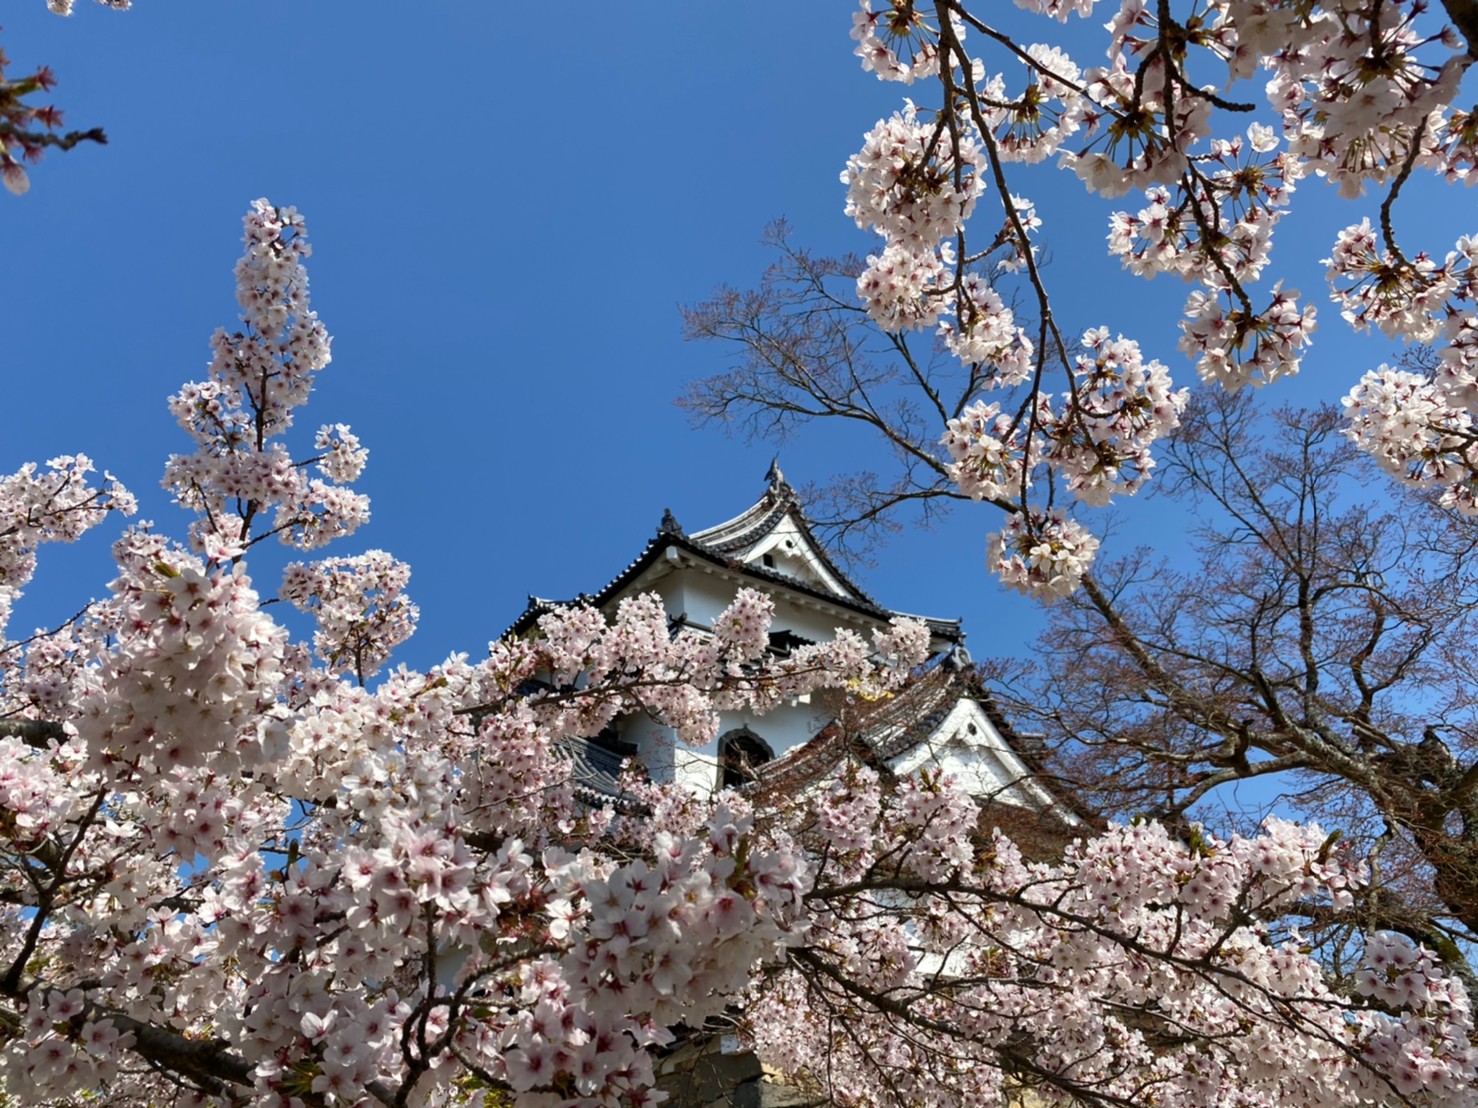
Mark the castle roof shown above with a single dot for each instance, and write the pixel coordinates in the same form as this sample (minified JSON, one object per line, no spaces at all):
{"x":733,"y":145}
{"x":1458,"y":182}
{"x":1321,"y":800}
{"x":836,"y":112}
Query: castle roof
{"x":944,"y":717}
{"x":769,"y":544}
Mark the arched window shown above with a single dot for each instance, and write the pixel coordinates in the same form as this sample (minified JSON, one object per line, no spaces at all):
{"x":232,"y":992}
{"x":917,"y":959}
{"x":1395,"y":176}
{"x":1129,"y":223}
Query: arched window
{"x":740,"y":753}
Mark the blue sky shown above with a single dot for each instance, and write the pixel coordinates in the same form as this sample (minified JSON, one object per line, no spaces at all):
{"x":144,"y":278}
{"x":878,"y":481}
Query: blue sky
{"x":507,"y":211}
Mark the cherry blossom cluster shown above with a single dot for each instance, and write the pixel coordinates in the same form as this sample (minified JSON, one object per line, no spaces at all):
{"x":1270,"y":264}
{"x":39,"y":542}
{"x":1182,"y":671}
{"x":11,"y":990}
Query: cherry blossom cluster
{"x":942,"y":819}
{"x":64,"y":7}
{"x":992,"y":454}
{"x":914,"y":186}
{"x":1359,"y":94}
{"x":1359,"y":86}
{"x":360,"y":606}
{"x":1058,"y":9}
{"x":55,"y":504}
{"x":316,"y":971}
{"x":925,"y":824}
{"x":36,"y":800}
{"x":1418,"y":425}
{"x":909,"y":185}
{"x":88,"y":1059}
{"x":844,"y":821}
{"x":1033,"y":126}
{"x":687,"y":927}
{"x":1234,"y":347}
{"x":1042,"y":553}
{"x":196,"y":665}
{"x":949,"y":982}
{"x":1121,"y":404}
{"x":1420,"y":428}
{"x":984,"y":334}
{"x":881,"y":35}
{"x":742,"y":632}
{"x":677,"y":677}
{"x":1220,"y":236}
{"x":1146,"y":134}
{"x":258,"y":377}
{"x":1098,"y":444}
{"x":1413,"y":299}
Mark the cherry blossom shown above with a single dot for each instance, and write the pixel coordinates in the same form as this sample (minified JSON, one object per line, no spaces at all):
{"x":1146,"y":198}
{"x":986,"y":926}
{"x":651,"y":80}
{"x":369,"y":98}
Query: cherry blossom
{"x":64,"y":7}
{"x":57,"y":504}
{"x":1133,"y":912}
{"x":234,"y":872}
{"x":1042,"y":552}
{"x":360,"y":607}
{"x":879,"y":35}
{"x":1097,"y":440}
{"x":909,"y":184}
{"x":1421,"y":430}
{"x":258,"y":376}
{"x":990,"y":459}
{"x":1358,"y":95}
{"x":1121,"y":404}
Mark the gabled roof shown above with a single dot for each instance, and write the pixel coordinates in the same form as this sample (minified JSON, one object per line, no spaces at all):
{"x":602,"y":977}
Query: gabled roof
{"x":595,"y":768}
{"x":943,"y":713}
{"x":739,"y":546}
{"x":776,"y":526}
{"x":920,"y":724}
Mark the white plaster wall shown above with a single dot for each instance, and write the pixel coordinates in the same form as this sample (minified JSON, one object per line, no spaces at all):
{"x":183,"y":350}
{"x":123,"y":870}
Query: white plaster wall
{"x":668,"y":759}
{"x":701,"y":597}
{"x":979,"y":776}
{"x":697,"y":771}
{"x":792,"y":554}
{"x":969,"y":748}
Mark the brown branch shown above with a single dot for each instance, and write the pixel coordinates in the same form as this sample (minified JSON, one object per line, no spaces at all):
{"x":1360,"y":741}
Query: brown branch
{"x":36,"y":139}
{"x":38,"y":733}
{"x":1464,"y":16}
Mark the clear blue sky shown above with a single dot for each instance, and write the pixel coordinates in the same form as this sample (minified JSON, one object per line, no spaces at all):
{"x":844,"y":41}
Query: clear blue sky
{"x":508,"y":203}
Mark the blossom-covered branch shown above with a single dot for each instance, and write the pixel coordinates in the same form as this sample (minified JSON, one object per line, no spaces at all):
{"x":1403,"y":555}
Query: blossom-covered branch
{"x":231,"y":874}
{"x":1362,"y":96}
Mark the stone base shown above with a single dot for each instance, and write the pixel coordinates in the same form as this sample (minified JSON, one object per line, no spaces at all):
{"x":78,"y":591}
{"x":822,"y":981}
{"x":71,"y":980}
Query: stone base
{"x":713,"y":1072}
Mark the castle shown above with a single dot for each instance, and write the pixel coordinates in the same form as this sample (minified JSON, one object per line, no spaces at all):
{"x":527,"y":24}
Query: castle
{"x":941,"y":718}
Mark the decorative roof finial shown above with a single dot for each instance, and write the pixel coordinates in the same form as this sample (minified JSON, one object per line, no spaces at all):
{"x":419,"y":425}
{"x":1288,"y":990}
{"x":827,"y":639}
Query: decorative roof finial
{"x":958,"y":657}
{"x":773,"y":475}
{"x":669,"y":524}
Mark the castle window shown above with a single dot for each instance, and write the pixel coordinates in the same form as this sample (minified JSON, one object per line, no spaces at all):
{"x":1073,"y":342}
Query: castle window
{"x":740,"y":754}
{"x":783,"y":642}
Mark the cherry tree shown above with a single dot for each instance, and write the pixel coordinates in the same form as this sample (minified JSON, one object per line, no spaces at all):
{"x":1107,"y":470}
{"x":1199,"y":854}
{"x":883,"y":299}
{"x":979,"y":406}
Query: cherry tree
{"x":241,"y":868}
{"x":1357,"y":94}
{"x":232,"y":873}
{"x":1319,"y":645}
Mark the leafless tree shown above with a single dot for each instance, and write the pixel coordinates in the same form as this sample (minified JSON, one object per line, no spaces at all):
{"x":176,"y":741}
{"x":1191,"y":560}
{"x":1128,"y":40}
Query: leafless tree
{"x":1321,"y":645}
{"x":804,"y":351}
{"x":1322,"y":641}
